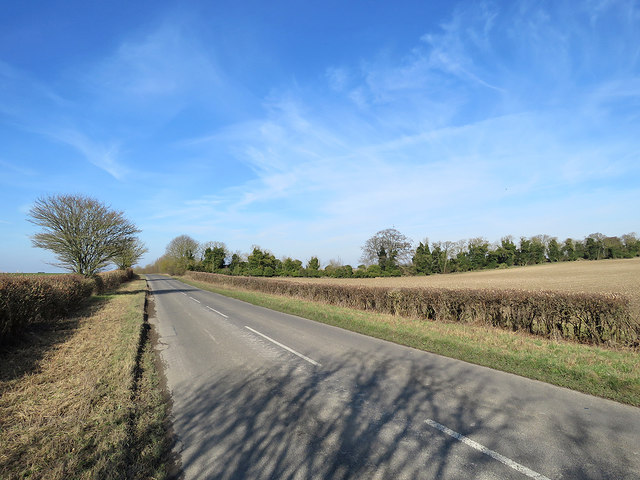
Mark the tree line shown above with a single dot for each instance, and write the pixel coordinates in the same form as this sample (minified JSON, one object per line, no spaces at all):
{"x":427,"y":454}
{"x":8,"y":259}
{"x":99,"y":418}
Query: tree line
{"x":479,"y":254}
{"x":390,"y":253}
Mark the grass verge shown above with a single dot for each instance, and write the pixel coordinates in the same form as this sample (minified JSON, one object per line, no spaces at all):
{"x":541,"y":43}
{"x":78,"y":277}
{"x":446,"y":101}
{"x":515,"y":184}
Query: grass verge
{"x":79,"y":396}
{"x":604,"y":372}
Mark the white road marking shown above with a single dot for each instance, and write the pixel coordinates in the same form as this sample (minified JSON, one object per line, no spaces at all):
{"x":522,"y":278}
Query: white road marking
{"x":198,"y":301}
{"x":211,"y":336}
{"x":313,"y":362}
{"x":184,"y":294}
{"x":481,"y":448}
{"x":216,"y":311}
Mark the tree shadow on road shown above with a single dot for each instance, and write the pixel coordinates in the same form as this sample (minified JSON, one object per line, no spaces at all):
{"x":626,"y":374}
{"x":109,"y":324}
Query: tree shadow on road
{"x":355,"y":418}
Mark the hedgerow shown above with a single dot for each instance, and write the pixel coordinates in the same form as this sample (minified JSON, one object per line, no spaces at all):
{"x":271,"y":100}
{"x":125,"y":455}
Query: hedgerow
{"x":109,"y":280}
{"x":25,"y":299}
{"x":601,"y":319}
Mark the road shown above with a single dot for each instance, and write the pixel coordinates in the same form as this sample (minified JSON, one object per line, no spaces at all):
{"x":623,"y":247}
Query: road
{"x":262,"y":395}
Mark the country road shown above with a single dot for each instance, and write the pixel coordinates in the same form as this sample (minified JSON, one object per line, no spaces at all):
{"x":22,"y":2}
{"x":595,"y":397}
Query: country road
{"x":257,"y":394}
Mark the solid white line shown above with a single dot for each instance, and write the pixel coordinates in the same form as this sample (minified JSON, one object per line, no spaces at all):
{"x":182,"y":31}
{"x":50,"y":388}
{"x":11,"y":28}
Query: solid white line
{"x":313,"y":362}
{"x":481,"y":448}
{"x":216,"y":311}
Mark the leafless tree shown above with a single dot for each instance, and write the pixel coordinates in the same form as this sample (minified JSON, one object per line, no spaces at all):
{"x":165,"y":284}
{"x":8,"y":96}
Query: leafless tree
{"x":130,"y":254}
{"x":396,"y":246}
{"x":84,"y":234}
{"x":183,"y":251}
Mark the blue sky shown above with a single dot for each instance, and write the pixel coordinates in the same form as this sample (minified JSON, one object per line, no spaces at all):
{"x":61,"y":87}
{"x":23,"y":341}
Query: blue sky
{"x":306,"y":127}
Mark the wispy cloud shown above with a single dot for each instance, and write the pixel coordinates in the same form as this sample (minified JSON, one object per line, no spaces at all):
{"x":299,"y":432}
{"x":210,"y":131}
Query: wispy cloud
{"x":33,"y":107}
{"x":160,"y":63}
{"x":103,"y":156}
{"x":500,"y":117}
{"x":19,"y":169}
{"x":21,"y":94}
{"x":441,"y":136}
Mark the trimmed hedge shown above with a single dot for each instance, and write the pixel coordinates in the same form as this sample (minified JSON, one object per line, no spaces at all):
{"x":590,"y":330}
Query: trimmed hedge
{"x":25,"y":299}
{"x":109,"y":280}
{"x":583,"y":317}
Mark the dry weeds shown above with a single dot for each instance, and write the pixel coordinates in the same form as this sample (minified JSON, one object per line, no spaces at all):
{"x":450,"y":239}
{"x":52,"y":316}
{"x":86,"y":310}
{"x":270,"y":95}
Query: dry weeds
{"x":65,"y":396}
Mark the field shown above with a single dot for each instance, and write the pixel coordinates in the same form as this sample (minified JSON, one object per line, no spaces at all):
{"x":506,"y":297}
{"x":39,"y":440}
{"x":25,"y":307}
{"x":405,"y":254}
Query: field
{"x":604,"y":276}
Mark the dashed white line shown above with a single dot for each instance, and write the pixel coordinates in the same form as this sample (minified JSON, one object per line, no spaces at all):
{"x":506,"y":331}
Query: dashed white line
{"x":216,"y":311}
{"x":481,"y":448}
{"x":313,"y":362}
{"x":195,"y":300}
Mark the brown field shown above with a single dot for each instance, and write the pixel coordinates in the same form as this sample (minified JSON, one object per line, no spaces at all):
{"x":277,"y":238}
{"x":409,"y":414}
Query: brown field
{"x":604,"y":276}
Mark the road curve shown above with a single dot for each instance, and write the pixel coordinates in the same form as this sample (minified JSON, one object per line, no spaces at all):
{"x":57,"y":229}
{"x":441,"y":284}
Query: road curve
{"x":263,"y":395}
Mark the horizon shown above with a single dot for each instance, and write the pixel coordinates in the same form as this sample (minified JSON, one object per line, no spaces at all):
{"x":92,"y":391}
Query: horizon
{"x":306,"y":129}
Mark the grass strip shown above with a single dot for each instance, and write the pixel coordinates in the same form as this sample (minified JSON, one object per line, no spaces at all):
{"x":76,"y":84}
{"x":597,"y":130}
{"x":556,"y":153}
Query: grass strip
{"x":69,"y":406}
{"x":603,"y":372}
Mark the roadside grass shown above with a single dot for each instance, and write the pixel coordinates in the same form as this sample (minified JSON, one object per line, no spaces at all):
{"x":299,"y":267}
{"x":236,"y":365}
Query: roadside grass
{"x":603,"y":372}
{"x":79,"y":396}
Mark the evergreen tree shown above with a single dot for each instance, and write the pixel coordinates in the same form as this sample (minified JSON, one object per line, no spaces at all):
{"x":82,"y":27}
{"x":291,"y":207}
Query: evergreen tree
{"x":554,"y":254}
{"x":422,"y":259}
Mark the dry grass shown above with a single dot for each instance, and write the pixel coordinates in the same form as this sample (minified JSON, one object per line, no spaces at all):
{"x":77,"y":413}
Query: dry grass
{"x":603,"y":276}
{"x":66,"y":403}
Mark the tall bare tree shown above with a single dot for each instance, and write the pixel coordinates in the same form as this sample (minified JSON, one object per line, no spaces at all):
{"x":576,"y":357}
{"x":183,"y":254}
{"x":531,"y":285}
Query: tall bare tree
{"x":183,"y":251}
{"x":397,"y":247}
{"x":84,"y":234}
{"x":131,"y":252}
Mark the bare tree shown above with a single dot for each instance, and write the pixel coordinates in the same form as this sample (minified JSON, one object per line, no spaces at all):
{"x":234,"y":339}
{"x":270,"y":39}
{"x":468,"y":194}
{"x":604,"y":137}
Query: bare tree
{"x":130,"y":254}
{"x":395,"y":245}
{"x":442,"y":252}
{"x":84,"y":234}
{"x":183,"y":251}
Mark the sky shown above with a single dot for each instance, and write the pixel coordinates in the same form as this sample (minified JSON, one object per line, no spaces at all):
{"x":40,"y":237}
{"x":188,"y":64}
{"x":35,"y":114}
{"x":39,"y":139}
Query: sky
{"x":306,"y":127}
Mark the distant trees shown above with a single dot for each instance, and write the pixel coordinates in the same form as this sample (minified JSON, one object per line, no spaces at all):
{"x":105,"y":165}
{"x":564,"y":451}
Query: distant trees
{"x":422,"y":259}
{"x":506,"y":251}
{"x":553,"y":250}
{"x":214,"y":257}
{"x":387,"y":248}
{"x":394,"y":256}
{"x":477,"y":253}
{"x":84,"y":234}
{"x":631,"y":244}
{"x":568,"y":251}
{"x":261,"y":263}
{"x":313,"y":267}
{"x":441,"y":252}
{"x":180,"y":254}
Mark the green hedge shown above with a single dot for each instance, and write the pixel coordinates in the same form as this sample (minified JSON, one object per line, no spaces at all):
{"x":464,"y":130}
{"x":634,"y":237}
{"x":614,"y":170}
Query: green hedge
{"x":28,"y":298}
{"x":583,"y":317}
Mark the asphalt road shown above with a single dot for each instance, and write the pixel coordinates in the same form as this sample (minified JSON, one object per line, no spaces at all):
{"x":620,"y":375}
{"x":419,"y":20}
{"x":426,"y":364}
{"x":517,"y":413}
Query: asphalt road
{"x":263,"y":395}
